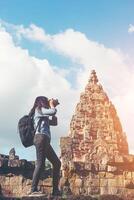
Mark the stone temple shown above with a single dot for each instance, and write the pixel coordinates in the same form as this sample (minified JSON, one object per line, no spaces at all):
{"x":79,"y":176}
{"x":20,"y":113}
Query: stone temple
{"x":95,"y":155}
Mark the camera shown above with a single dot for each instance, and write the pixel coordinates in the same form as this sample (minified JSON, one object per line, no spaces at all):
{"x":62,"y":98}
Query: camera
{"x":55,"y":102}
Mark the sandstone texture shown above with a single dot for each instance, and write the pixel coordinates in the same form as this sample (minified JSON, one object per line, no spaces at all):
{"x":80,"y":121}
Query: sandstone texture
{"x":77,"y":197}
{"x":16,"y":177}
{"x":96,"y":163}
{"x":95,"y":156}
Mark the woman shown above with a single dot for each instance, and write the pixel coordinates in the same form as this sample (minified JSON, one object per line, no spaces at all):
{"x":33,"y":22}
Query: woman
{"x":42,"y":109}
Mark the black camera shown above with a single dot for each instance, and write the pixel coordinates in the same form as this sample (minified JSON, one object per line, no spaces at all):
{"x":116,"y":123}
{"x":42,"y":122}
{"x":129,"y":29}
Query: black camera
{"x":55,"y":102}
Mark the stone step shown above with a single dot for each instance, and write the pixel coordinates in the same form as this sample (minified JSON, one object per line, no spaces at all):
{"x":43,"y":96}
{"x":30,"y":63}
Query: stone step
{"x":77,"y":197}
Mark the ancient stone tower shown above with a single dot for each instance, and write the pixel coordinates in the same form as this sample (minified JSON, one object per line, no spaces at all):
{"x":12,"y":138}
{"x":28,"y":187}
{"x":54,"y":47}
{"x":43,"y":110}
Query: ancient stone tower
{"x":94,"y":155}
{"x":96,"y":134}
{"x":96,"y":142}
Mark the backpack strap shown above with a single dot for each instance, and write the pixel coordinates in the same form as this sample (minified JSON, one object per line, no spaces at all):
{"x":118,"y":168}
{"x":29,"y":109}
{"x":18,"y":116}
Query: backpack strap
{"x":38,"y":124}
{"x":31,"y":115}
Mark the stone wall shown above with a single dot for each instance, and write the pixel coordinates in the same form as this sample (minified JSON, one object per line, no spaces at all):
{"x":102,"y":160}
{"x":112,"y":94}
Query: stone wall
{"x":16,"y":177}
{"x":18,"y":186}
{"x":95,"y":157}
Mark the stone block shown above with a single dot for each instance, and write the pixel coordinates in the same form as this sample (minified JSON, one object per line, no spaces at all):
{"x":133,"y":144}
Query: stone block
{"x":14,"y":180}
{"x":7,"y":181}
{"x":129,"y":158}
{"x":79,"y":166}
{"x":103,"y":168}
{"x":2,"y":179}
{"x":63,"y":181}
{"x":93,"y":175}
{"x":129,"y":184}
{"x":120,"y":182}
{"x":4,"y":162}
{"x":92,"y":190}
{"x":103,"y":182}
{"x":21,"y":179}
{"x":111,"y":168}
{"x":7,"y":191}
{"x":46,"y":182}
{"x":27,"y":182}
{"x":132,"y":173}
{"x":102,"y":174}
{"x":109,"y":175}
{"x":112,"y":182}
{"x":88,"y":166}
{"x":75,"y":190}
{"x":119,"y":159}
{"x":91,"y":182}
{"x":16,"y":189}
{"x":78,"y":182}
{"x":104,"y":190}
{"x":113,"y":190}
{"x":14,"y":163}
{"x":25,"y":190}
{"x":84,"y":191}
{"x":65,"y":142}
{"x":95,"y":167}
{"x":128,"y":175}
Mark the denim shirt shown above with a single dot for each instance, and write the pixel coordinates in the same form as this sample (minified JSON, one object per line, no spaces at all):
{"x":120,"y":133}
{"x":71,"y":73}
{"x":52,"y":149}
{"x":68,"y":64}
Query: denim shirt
{"x":43,"y":127}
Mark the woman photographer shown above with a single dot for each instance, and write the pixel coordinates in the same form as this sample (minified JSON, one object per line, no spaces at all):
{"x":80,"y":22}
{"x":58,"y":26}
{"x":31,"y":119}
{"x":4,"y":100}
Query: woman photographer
{"x":43,"y":109}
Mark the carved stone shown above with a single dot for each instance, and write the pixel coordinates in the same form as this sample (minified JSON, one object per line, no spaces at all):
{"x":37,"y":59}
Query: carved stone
{"x":95,"y":144}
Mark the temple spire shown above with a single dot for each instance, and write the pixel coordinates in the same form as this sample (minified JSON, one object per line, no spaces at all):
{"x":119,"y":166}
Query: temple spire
{"x":93,"y":77}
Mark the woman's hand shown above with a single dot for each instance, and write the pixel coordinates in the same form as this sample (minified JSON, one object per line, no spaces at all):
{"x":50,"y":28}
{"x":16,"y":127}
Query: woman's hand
{"x":51,"y":103}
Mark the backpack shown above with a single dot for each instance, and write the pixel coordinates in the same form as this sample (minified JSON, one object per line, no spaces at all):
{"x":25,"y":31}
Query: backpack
{"x":26,"y":130}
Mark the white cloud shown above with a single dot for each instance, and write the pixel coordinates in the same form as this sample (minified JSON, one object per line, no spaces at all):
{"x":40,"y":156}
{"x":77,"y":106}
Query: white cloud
{"x":22,"y":78}
{"x":111,"y":64}
{"x":112,"y":67}
{"x":131,"y":28}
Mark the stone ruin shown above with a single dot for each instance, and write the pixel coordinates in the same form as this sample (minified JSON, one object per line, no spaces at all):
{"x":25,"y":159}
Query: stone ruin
{"x":16,"y":176}
{"x":95,"y":155}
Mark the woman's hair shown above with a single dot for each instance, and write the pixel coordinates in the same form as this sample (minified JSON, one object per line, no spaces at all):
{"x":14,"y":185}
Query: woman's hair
{"x":40,"y":102}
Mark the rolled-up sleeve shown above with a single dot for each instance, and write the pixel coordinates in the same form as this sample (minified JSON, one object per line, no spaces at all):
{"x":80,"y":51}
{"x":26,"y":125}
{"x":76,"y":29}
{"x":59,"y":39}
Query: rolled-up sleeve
{"x":48,"y":112}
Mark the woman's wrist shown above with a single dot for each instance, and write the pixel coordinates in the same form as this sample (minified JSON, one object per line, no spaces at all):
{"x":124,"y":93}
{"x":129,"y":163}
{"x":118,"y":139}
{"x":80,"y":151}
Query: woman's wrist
{"x":51,"y":104}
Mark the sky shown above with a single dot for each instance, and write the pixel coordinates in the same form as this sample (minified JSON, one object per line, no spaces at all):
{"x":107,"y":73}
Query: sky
{"x":50,"y":47}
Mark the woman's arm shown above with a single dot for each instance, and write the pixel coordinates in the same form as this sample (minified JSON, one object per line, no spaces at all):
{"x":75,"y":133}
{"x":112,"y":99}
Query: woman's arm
{"x":48,"y":112}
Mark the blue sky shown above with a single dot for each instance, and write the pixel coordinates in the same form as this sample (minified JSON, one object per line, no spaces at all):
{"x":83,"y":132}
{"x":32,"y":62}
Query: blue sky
{"x":66,"y":39}
{"x":104,"y":21}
